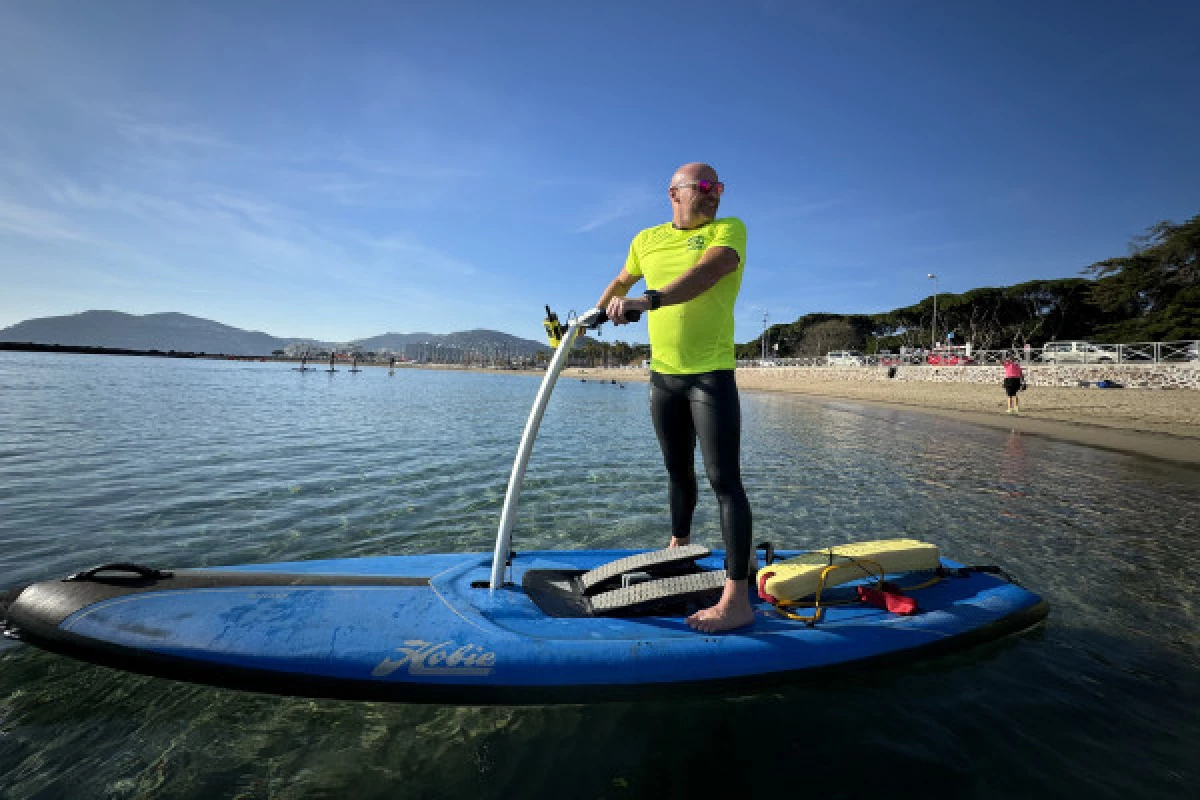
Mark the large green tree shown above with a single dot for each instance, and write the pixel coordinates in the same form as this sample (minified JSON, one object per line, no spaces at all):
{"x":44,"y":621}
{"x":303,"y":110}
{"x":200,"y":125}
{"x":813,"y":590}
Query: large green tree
{"x":1154,"y":292}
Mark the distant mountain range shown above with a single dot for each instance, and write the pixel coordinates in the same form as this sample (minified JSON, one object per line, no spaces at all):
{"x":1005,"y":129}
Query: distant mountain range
{"x":183,"y":333}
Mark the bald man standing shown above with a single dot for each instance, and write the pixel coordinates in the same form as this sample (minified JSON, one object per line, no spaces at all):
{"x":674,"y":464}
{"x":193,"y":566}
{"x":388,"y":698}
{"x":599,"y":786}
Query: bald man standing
{"x":693,"y":271}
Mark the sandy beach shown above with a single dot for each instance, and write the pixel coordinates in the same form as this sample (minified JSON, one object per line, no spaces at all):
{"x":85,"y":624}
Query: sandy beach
{"x":1158,"y":423}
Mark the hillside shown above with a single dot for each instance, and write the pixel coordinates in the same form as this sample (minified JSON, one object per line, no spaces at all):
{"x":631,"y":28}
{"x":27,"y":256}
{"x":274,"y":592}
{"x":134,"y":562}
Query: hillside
{"x":168,"y":331}
{"x":183,"y":333}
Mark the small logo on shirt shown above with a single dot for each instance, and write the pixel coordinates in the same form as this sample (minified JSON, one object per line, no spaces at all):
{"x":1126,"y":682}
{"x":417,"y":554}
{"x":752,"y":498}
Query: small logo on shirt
{"x":695,"y":243}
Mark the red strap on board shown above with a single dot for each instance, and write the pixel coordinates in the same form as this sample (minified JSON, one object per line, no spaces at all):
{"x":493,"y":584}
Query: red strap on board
{"x":762,"y":587}
{"x":892,"y":601}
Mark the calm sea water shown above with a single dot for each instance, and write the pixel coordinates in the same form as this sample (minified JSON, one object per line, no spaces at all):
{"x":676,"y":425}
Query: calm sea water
{"x":193,"y":463}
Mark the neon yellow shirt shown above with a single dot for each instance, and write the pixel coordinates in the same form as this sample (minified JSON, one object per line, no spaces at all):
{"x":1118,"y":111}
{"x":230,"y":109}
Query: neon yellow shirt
{"x":696,"y":336}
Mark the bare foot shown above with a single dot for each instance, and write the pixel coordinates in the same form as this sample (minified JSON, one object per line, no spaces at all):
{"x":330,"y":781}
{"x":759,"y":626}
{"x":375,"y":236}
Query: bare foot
{"x":679,"y":541}
{"x":732,"y":611}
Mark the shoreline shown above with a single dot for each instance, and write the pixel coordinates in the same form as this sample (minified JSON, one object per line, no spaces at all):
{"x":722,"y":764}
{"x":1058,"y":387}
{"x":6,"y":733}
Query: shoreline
{"x":1163,"y":424}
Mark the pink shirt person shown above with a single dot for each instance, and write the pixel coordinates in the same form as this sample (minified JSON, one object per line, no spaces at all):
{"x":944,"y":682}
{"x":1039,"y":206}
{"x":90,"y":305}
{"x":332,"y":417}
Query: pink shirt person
{"x":1012,"y":369}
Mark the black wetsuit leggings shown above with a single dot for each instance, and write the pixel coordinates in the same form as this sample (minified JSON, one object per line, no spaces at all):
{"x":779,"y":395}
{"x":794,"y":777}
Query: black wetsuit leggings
{"x":704,"y":406}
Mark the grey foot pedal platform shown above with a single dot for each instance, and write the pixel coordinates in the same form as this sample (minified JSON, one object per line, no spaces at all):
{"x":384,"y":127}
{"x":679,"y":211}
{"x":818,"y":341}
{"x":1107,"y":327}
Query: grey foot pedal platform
{"x":679,"y":588}
{"x":654,"y":561}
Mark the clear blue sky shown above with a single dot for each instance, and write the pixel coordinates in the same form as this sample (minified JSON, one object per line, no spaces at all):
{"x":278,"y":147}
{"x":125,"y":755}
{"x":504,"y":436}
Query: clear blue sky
{"x":339,"y":170}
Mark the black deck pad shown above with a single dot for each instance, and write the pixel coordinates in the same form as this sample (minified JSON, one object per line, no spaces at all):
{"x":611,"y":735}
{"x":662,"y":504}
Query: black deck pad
{"x":656,"y":562}
{"x":556,"y":592}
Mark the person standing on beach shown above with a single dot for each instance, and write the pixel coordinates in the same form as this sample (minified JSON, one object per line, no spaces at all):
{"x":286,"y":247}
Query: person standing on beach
{"x":693,"y":270}
{"x":1013,"y":378}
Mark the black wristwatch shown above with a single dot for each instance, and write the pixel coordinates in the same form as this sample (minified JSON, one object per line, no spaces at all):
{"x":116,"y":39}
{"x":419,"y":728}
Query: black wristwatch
{"x":655,"y":299}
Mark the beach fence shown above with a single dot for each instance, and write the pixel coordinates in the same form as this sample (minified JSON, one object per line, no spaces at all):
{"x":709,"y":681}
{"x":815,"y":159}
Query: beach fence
{"x":1065,"y":353}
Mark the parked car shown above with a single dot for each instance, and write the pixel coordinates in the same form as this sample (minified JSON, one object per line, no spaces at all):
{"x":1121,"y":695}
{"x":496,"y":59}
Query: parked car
{"x":949,"y":359}
{"x":889,"y":359}
{"x":949,"y":355}
{"x":844,"y":358}
{"x":1078,"y":353}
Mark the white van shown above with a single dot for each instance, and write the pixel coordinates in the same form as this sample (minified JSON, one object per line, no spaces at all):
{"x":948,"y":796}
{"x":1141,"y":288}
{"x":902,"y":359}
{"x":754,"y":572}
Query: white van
{"x":1078,"y":353}
{"x":844,"y":358}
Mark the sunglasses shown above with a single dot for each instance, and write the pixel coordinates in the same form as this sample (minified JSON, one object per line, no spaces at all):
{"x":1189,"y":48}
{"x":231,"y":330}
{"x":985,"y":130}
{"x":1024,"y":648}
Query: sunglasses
{"x":703,"y":187}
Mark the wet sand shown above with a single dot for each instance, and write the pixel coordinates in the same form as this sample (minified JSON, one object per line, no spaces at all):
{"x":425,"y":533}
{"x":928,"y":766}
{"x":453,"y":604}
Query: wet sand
{"x":1160,"y":423}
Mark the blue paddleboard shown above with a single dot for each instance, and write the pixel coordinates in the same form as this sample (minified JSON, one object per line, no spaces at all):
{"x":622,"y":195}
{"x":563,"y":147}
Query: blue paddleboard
{"x":429,"y":628}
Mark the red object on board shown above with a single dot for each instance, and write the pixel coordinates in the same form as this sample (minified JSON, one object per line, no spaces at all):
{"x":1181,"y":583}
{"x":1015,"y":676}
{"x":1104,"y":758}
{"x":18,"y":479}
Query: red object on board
{"x":892,"y":601}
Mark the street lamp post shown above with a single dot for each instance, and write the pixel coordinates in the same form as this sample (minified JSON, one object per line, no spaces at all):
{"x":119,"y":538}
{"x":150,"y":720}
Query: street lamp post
{"x":933,"y":328}
{"x":764,"y":339}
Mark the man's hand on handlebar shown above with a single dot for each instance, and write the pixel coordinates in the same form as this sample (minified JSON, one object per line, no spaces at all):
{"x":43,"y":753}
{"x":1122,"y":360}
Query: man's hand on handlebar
{"x":626,"y":309}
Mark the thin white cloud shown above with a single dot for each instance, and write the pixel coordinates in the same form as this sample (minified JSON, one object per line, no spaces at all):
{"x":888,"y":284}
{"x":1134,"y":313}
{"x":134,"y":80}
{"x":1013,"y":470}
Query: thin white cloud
{"x":37,"y":223}
{"x":168,"y":218}
{"x":415,"y":256}
{"x":623,"y":204}
{"x":256,"y":210}
{"x":793,"y":210}
{"x":141,"y":132}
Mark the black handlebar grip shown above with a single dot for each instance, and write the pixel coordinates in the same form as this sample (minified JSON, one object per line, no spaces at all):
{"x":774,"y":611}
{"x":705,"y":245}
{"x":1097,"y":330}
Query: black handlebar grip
{"x":630,"y":316}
